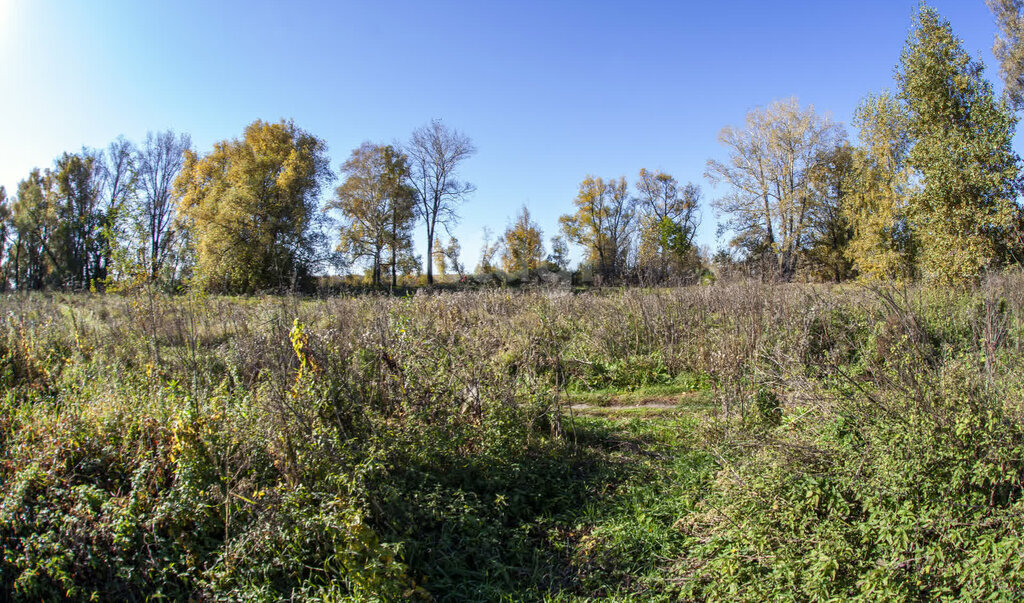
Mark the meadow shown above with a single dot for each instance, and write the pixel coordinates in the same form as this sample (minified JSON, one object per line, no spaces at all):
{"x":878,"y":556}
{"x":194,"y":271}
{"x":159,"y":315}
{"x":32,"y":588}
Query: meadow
{"x":734,"y":441}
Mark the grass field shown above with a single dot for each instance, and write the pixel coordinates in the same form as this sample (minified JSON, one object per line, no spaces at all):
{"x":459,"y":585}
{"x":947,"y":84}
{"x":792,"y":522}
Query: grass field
{"x":733,"y":442}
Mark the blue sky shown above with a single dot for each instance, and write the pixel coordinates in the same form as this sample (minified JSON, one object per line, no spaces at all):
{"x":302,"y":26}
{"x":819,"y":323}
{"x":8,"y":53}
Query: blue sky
{"x":548,"y":91}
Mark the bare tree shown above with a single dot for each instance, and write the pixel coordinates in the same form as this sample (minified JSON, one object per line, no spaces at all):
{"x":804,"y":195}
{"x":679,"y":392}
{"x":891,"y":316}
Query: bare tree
{"x":160,"y":159}
{"x":770,"y":203}
{"x":435,"y":152}
{"x":118,"y":175}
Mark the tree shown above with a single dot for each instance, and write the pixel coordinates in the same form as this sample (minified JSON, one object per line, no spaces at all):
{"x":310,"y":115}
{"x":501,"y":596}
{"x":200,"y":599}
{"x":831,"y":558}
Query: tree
{"x":377,"y":205}
{"x":487,"y":252}
{"x":1009,"y":47}
{"x":435,"y":152}
{"x":75,"y":195}
{"x":523,"y":244}
{"x":559,"y":255}
{"x":965,"y":210}
{"x":602,"y":224}
{"x":452,"y":253}
{"x":33,"y":223}
{"x":876,"y":204}
{"x":661,"y":197}
{"x":5,"y":234}
{"x":119,"y":182}
{"x":669,"y":216}
{"x":831,"y":180}
{"x":251,"y":205}
{"x":440,"y":259}
{"x":770,"y":203}
{"x":159,"y":160}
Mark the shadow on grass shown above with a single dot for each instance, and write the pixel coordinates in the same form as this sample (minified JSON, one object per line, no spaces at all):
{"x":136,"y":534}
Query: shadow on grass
{"x":502,"y":529}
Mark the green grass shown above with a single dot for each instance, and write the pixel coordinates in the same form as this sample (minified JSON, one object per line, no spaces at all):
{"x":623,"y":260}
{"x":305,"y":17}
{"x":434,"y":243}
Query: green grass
{"x":853,"y":445}
{"x":620,"y":413}
{"x":684,"y":385}
{"x":539,"y":529}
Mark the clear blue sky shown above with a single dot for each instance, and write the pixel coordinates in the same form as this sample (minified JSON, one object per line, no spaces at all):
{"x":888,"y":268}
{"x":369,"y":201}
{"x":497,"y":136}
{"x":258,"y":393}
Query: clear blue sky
{"x":548,"y":91}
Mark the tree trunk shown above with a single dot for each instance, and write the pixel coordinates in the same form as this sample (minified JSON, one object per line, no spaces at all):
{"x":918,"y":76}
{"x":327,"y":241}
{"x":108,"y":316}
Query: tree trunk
{"x":430,"y":255}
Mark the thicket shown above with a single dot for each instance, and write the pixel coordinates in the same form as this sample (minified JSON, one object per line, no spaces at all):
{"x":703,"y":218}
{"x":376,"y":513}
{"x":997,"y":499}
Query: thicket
{"x":862,"y":443}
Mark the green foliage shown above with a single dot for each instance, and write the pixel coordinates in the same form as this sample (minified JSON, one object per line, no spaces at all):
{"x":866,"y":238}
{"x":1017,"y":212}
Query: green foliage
{"x":962,"y":149}
{"x":668,"y":218}
{"x":627,"y":373}
{"x":63,"y":225}
{"x":769,"y":408}
{"x":860,"y":444}
{"x":878,"y":206}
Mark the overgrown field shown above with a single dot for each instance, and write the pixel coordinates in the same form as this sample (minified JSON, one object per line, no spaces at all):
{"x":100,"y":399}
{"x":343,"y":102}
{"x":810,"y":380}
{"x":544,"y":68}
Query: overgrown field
{"x":735,"y":441}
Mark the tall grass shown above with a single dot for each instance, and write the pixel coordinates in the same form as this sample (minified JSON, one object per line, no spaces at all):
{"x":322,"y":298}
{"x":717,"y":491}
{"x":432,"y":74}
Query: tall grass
{"x":864,"y":442}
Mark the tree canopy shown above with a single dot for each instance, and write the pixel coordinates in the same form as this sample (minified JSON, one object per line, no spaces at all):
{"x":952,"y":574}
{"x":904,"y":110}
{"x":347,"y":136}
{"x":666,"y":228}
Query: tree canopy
{"x":250,"y":206}
{"x":965,"y":211}
{"x":769,"y":202}
{"x":603,"y":223}
{"x":377,"y":205}
{"x":523,"y":244}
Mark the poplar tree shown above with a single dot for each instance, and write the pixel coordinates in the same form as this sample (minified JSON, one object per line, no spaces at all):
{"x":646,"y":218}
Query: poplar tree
{"x":770,"y":202}
{"x":877,"y":204}
{"x":435,"y":152}
{"x":159,"y":159}
{"x":668,"y":216}
{"x":965,"y":214}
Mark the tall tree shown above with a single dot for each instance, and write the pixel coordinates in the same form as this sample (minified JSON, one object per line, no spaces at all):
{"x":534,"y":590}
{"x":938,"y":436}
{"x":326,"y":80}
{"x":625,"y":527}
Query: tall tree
{"x":770,"y":204}
{"x":251,"y":206}
{"x":1009,"y":47}
{"x":119,"y":185}
{"x":440,"y":258}
{"x":5,"y":235}
{"x":963,"y":150}
{"x":877,"y":202}
{"x":559,"y":255}
{"x":159,"y":161}
{"x":435,"y":151}
{"x":76,"y":196}
{"x":487,"y":252}
{"x":452,"y":256}
{"x":377,"y":204}
{"x":831,"y":182}
{"x":33,"y":222}
{"x":603,"y":223}
{"x":669,"y":216}
{"x":523,"y":244}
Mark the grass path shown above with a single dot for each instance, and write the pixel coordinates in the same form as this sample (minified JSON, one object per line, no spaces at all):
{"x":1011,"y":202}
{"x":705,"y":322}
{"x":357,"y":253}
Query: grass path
{"x":598,"y":519}
{"x":644,"y":403}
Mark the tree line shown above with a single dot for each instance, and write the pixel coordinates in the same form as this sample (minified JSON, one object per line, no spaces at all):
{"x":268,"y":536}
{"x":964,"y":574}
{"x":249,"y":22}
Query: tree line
{"x":929,"y":190}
